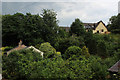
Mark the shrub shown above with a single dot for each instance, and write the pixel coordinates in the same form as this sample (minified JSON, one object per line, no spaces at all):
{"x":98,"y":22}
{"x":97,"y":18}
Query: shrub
{"x":64,"y":43}
{"x":48,"y":50}
{"x":72,"y":50}
{"x":98,"y":68}
{"x":17,"y":65}
{"x":102,"y":48}
{"x":85,"y":52}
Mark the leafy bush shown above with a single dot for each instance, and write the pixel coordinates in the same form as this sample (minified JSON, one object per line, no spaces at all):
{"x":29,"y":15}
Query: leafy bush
{"x":85,"y":52}
{"x":102,"y":48}
{"x":5,"y":49}
{"x":28,"y":65}
{"x":64,"y":43}
{"x":17,"y":64}
{"x":98,"y":68}
{"x":48,"y":50}
{"x":72,"y":50}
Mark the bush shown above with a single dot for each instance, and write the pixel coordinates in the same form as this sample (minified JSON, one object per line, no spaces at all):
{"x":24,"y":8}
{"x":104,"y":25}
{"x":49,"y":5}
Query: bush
{"x":16,"y":65}
{"x":73,"y":50}
{"x":98,"y":68}
{"x":5,"y":49}
{"x":102,"y":48}
{"x":48,"y":50}
{"x":85,"y":52}
{"x":64,"y":43}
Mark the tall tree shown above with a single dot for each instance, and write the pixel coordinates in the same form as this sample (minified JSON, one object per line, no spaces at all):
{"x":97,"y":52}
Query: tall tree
{"x":19,"y":26}
{"x":77,"y":28}
{"x":50,"y":27}
{"x":102,"y":48}
{"x":114,"y":24}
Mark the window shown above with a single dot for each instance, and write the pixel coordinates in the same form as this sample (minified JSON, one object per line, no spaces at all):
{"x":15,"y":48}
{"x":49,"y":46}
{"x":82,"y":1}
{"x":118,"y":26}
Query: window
{"x":97,"y":31}
{"x":102,"y":30}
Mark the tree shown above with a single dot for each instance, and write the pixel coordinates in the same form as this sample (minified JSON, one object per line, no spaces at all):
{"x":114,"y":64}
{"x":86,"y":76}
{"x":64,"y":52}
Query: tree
{"x":31,"y":29}
{"x":20,"y":26}
{"x":64,"y":43}
{"x":77,"y":28}
{"x":50,"y":25}
{"x":102,"y":49}
{"x":17,"y":65}
{"x":49,"y":51}
{"x":98,"y":68}
{"x":114,"y":25}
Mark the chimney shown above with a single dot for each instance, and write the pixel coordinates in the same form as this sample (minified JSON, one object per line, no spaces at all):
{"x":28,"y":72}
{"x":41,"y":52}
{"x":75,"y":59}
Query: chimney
{"x":20,"y":43}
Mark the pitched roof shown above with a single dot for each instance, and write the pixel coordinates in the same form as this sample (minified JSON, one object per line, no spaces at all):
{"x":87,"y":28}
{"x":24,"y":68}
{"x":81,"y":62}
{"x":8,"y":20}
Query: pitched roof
{"x":22,"y":46}
{"x":92,"y":25}
{"x":86,"y":26}
{"x":115,"y":67}
{"x":19,"y":47}
{"x":36,"y":50}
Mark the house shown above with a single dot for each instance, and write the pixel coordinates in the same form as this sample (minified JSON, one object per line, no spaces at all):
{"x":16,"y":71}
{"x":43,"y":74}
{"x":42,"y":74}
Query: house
{"x":22,"y":46}
{"x":115,"y":71}
{"x":98,"y":27}
{"x":115,"y":68}
{"x":19,"y":47}
{"x":36,"y":50}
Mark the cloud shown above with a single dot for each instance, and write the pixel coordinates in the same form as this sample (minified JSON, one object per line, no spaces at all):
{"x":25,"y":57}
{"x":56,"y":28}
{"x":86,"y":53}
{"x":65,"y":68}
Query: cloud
{"x":67,"y":11}
{"x":60,"y":1}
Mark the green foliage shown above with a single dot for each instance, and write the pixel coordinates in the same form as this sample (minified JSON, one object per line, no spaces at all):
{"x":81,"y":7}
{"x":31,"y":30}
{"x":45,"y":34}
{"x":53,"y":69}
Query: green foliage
{"x":99,"y":68}
{"x":80,"y":68}
{"x":50,"y":24}
{"x":48,"y":50}
{"x":77,"y":28}
{"x":35,"y":29}
{"x":64,"y":43}
{"x":117,"y":55}
{"x":72,"y":50}
{"x":62,"y":33}
{"x":85,"y":52}
{"x":92,"y":46}
{"x":102,"y":49}
{"x":114,"y":25}
{"x":5,"y":49}
{"x":22,"y":27}
{"x":58,"y":54}
{"x":29,"y":65}
{"x":17,"y":64}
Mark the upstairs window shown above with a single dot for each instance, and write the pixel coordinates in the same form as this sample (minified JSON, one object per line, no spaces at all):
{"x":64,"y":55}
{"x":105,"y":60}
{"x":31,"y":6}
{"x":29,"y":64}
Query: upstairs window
{"x":97,"y":31}
{"x":102,"y":30}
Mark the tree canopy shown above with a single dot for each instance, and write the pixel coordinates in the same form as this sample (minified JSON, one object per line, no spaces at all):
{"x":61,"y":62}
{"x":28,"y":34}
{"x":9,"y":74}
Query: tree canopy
{"x":114,"y":25}
{"x":77,"y":28}
{"x":29,"y":28}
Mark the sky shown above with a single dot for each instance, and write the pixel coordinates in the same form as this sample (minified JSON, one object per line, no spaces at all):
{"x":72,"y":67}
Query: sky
{"x":67,"y":10}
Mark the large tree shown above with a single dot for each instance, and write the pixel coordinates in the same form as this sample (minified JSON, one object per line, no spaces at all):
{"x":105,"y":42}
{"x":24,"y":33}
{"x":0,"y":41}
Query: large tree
{"x":19,"y":26}
{"x":50,"y":27}
{"x":31,"y":29}
{"x":114,"y":24}
{"x":77,"y":28}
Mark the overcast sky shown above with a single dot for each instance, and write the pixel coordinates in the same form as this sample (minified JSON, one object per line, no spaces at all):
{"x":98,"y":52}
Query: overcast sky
{"x":67,"y":10}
